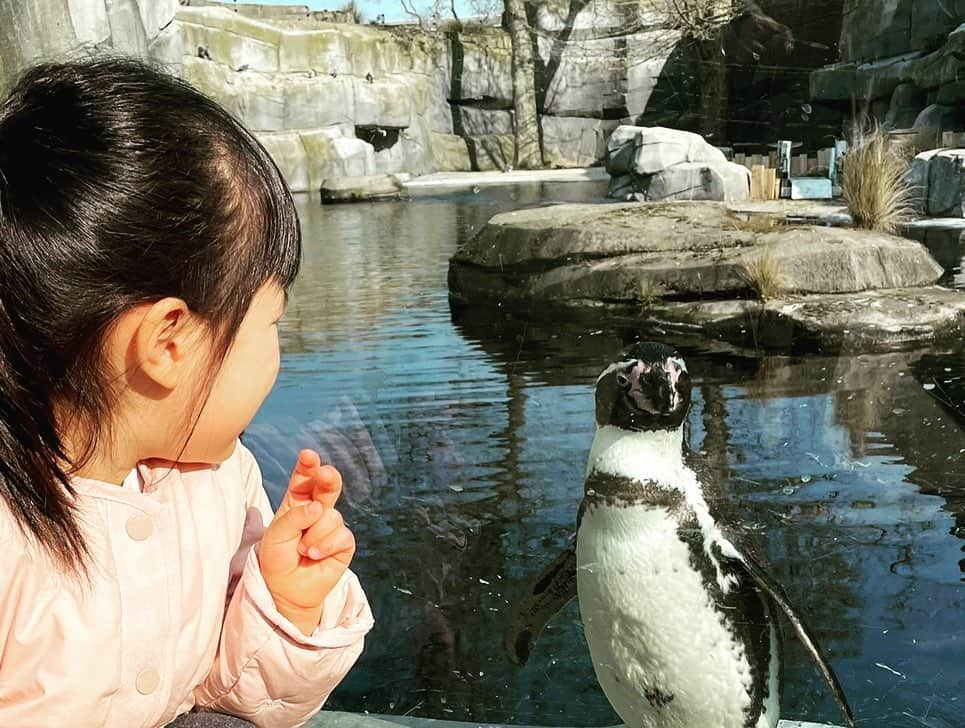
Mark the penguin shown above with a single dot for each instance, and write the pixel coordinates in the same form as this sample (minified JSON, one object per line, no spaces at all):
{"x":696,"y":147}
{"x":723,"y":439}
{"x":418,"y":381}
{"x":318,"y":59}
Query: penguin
{"x":203,"y":53}
{"x":680,"y":619}
{"x":369,"y":77}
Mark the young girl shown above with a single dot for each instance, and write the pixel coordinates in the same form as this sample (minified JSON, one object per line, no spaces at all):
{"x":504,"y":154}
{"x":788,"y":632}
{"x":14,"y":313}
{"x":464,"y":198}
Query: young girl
{"x":146,"y":244}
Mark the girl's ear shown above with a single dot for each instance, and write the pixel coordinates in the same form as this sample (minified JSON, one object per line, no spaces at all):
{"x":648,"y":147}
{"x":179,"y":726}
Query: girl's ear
{"x":165,"y":337}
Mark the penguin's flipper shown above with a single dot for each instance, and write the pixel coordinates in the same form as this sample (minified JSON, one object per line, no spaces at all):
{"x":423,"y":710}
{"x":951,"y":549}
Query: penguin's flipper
{"x":551,"y":591}
{"x":778,"y":596}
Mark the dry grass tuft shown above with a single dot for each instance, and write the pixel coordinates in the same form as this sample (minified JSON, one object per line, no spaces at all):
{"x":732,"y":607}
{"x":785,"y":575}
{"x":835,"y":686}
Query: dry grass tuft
{"x":648,"y":292}
{"x":873,"y":184}
{"x":762,"y":273}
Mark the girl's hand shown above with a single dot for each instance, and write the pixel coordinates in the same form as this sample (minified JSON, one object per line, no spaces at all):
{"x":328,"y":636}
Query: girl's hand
{"x":307,"y":547}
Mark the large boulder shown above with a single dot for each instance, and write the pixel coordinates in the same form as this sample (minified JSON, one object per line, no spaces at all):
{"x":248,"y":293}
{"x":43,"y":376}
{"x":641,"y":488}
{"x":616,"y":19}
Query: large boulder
{"x":932,"y":122}
{"x":937,"y":179}
{"x":360,"y":189}
{"x":648,"y":150}
{"x":656,"y":163}
{"x":906,"y":102}
{"x":670,"y":260}
{"x":945,"y":180}
{"x":916,"y":177}
{"x":701,"y":181}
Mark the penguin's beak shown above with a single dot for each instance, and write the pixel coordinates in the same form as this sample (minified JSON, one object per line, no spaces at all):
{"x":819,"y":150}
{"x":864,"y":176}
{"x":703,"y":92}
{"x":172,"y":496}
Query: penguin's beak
{"x":652,"y":386}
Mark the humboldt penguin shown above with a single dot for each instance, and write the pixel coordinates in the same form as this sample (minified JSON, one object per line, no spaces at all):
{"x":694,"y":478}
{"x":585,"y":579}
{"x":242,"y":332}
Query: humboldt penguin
{"x":680,"y":618}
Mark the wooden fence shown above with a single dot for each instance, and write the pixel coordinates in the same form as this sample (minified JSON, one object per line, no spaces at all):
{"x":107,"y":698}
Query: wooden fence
{"x":765,"y":184}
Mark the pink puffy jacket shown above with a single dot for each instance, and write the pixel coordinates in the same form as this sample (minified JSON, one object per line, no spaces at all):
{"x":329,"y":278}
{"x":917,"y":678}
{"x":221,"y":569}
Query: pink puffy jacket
{"x":176,"y":613}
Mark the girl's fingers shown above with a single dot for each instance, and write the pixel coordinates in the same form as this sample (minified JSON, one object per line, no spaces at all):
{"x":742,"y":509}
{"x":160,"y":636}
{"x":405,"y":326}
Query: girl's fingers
{"x":329,"y":526}
{"x":328,"y":486}
{"x":307,"y":471}
{"x":339,"y":545}
{"x":310,"y":480}
{"x":290,"y":524}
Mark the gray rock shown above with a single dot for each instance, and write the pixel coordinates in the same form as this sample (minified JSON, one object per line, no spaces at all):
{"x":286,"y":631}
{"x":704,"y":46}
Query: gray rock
{"x":931,"y":123}
{"x":485,"y":71}
{"x":656,"y":148}
{"x":917,"y":179}
{"x":870,"y":31}
{"x":308,"y":157}
{"x":358,"y":189}
{"x":478,"y":122}
{"x":869,"y":320}
{"x":575,"y":142}
{"x":951,"y":93}
{"x":671,"y":239}
{"x":880,"y":79}
{"x":701,"y":181}
{"x":585,"y":78}
{"x":622,"y":186}
{"x":834,"y":83}
{"x":873,"y":30}
{"x":701,"y":265}
{"x":945,"y":183}
{"x":47,"y":29}
{"x":944,"y":65}
{"x":906,"y":103}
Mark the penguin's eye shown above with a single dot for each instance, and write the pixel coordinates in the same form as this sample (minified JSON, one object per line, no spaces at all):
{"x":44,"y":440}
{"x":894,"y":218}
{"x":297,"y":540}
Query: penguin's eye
{"x":622,"y":379}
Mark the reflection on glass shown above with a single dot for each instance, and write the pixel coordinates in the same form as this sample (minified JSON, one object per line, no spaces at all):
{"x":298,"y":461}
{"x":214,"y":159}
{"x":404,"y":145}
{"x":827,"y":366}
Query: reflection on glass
{"x":464,"y":442}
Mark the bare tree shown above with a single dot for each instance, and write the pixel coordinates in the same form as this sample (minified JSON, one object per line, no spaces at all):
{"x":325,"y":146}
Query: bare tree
{"x":526,"y":129}
{"x":699,"y":20}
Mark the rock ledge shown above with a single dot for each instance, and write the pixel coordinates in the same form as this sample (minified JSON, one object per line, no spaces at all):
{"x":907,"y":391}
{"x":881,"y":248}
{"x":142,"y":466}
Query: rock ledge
{"x":747,"y":278}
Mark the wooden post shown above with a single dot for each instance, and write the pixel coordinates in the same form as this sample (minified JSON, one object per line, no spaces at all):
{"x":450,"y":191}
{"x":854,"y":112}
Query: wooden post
{"x":757,"y":182}
{"x":824,"y":158}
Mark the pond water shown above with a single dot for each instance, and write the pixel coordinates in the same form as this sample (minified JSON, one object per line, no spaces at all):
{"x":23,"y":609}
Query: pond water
{"x":463,"y":443}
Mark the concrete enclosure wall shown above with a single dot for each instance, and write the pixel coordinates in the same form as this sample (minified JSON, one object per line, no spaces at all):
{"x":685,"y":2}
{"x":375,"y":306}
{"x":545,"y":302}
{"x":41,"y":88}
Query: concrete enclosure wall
{"x":46,"y":29}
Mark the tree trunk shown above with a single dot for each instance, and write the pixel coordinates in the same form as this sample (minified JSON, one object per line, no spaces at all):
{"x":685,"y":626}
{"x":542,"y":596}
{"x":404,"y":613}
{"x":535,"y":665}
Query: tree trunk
{"x":526,"y":119}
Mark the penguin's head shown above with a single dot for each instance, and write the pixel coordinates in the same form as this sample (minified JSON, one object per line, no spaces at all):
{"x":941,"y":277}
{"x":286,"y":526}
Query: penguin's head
{"x":646,"y":388}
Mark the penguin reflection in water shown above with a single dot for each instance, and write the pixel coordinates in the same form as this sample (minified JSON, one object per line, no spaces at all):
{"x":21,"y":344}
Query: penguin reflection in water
{"x":680,"y":619}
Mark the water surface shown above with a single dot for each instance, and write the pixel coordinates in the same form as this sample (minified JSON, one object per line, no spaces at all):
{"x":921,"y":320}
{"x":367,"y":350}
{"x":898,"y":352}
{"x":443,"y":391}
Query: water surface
{"x":463,"y":444}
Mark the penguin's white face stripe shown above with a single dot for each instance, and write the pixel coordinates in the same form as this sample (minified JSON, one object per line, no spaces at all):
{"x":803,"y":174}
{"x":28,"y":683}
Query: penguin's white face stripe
{"x":674,"y":365}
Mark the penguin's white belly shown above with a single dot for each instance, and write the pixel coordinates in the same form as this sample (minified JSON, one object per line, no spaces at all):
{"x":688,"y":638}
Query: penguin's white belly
{"x":662,"y":653}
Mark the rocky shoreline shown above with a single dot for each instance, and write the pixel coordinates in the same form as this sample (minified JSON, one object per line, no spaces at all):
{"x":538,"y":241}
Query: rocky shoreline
{"x":749,"y":279}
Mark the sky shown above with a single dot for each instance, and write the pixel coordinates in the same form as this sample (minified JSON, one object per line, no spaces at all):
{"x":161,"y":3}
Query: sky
{"x":392,"y":9}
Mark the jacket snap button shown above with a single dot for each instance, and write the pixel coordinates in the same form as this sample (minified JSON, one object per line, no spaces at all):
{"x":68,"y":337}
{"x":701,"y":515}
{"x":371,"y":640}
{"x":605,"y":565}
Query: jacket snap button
{"x":147,"y":681}
{"x":139,"y":527}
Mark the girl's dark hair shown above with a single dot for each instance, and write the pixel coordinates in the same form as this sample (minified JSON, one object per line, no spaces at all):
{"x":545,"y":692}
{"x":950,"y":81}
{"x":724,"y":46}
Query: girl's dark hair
{"x":119,"y":185}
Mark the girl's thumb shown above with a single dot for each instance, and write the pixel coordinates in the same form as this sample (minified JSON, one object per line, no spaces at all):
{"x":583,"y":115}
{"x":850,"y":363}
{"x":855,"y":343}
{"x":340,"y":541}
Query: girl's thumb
{"x":295,"y":520}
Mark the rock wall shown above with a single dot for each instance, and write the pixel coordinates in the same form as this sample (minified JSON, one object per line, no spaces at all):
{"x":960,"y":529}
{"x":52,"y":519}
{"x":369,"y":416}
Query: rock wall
{"x":330,"y":99}
{"x":879,"y":29}
{"x":296,"y":15}
{"x":47,"y":29}
{"x":900,"y":63}
{"x":333,"y":99}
